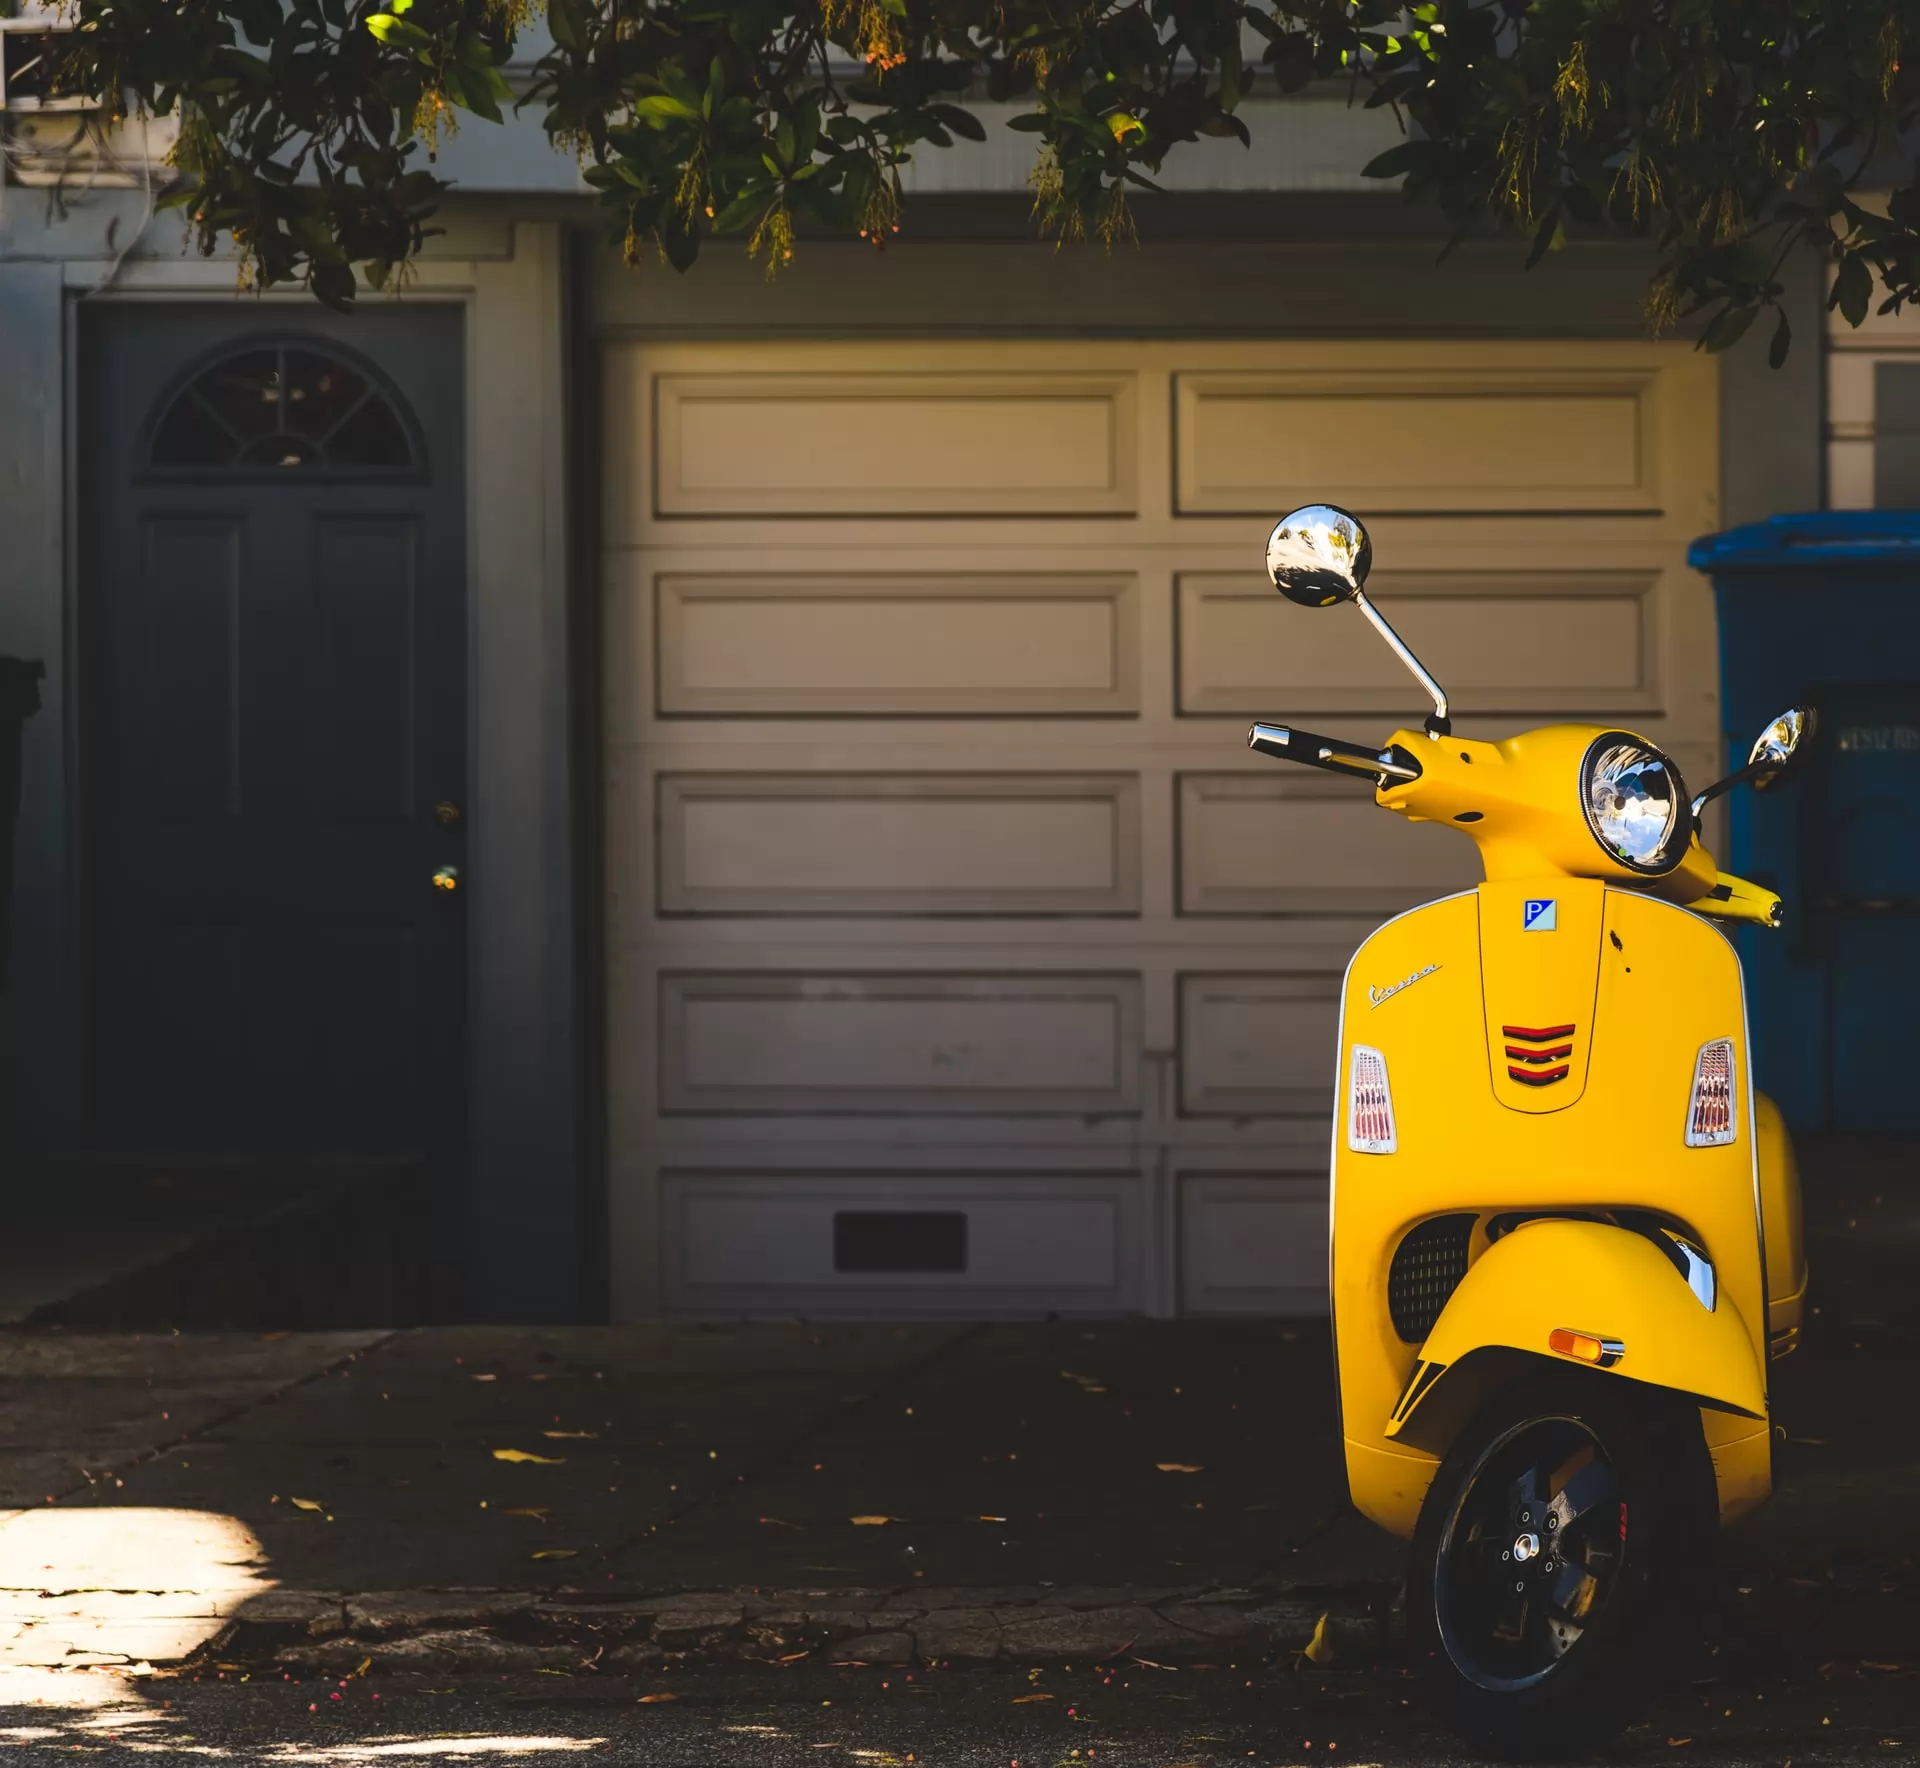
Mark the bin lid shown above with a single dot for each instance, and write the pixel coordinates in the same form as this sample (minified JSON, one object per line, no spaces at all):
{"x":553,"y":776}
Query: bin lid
{"x":1817,"y":540}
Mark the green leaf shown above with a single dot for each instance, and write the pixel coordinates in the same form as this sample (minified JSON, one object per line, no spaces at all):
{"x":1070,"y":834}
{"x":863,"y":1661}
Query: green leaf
{"x":397,"y":33}
{"x":1782,"y":341}
{"x":1401,"y":157}
{"x":1547,"y":237}
{"x":961,"y":122}
{"x":1852,"y":288}
{"x":1727,"y":328}
{"x":660,"y":109}
{"x":1028,"y":123}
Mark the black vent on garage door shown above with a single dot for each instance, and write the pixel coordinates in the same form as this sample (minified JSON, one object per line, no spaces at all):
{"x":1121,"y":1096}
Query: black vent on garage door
{"x":900,"y":1240}
{"x":1427,"y":1267}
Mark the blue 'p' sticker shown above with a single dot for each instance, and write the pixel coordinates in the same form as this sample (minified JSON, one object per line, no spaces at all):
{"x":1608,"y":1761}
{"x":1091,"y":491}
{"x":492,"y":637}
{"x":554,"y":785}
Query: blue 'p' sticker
{"x":1537,"y":916}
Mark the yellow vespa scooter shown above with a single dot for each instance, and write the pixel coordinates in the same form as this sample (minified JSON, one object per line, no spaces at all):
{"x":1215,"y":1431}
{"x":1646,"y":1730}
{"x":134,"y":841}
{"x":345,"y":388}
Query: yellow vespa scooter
{"x":1565,"y":1228}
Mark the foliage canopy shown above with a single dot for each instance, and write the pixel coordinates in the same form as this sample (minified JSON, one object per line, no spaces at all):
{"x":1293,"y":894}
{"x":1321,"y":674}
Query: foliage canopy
{"x":1726,"y":131}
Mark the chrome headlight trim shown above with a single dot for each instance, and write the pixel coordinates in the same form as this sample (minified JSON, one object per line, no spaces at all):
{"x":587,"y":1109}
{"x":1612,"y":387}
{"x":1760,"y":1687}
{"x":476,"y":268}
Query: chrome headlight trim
{"x":1630,"y":764}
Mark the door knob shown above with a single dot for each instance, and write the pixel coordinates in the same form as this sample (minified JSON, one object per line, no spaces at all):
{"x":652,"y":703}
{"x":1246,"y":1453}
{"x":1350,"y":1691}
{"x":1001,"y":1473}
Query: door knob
{"x":446,"y":878}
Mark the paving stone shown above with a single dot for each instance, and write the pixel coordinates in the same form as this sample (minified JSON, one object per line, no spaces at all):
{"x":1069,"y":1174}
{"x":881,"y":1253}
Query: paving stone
{"x":959,"y":1633}
{"x":300,"y":1608}
{"x":416,"y":1611}
{"x":679,"y":1627}
{"x":971,"y":1596}
{"x":877,"y":1648}
{"x":445,"y":1650}
{"x":635,"y":1654}
{"x":1211,"y":1620}
{"x":1068,"y":1633}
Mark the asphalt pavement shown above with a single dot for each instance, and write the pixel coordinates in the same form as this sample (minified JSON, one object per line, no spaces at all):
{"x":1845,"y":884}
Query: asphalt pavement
{"x":910,"y":1522}
{"x":1279,"y":1713}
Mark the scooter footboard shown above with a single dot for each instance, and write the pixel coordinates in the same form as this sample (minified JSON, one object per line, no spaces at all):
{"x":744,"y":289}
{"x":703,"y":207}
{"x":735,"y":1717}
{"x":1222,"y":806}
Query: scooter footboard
{"x":1583,"y":1292}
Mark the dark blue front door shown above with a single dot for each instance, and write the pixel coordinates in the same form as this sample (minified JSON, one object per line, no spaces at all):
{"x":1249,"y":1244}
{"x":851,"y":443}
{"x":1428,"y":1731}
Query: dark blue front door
{"x":275,"y":741}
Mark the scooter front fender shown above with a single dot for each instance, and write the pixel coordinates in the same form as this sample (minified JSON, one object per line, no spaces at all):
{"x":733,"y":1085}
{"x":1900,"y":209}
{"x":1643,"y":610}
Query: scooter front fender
{"x":1593,"y":1279}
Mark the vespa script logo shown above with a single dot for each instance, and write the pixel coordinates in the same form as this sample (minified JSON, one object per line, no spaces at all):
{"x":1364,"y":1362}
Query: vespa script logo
{"x":1376,"y":996}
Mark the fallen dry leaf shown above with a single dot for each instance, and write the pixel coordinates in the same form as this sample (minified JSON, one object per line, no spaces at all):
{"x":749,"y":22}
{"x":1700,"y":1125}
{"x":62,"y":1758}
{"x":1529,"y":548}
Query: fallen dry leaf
{"x":1673,"y":1743}
{"x":780,"y":1522}
{"x":870,"y":1522}
{"x":647,"y":1700}
{"x":1178,"y":1467}
{"x":1319,"y":1649}
{"x":486,"y":1378}
{"x":556,"y":1553}
{"x":1020,"y":1700}
{"x":590,"y":1435}
{"x":524,"y":1455}
{"x":539,"y":1512}
{"x":1149,"y":1664}
{"x":365,"y":1664}
{"x":307,"y":1504}
{"x":993,"y":1519}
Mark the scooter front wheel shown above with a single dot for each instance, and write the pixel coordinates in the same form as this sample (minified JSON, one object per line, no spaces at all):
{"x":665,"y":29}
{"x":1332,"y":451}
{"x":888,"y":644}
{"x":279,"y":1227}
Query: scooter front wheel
{"x":1556,"y":1561}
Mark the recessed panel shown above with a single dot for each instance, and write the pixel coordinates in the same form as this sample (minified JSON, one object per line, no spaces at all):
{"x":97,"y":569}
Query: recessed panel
{"x":772,"y":1241}
{"x":366,"y":584}
{"x":1393,"y":441}
{"x":1555,"y":643}
{"x":853,"y":644}
{"x":899,"y":844}
{"x":1253,"y":1243}
{"x":893,"y":444}
{"x":191,"y":680}
{"x":886,"y":1043}
{"x":1291,"y":842}
{"x":1259,"y":1045}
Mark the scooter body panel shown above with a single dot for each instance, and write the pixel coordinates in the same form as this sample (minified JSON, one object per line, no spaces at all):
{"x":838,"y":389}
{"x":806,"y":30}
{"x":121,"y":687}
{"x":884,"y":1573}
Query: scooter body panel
{"x":1644,"y":984}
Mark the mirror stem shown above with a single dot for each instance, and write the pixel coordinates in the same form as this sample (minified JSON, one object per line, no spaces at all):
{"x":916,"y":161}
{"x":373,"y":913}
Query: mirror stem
{"x":1438,"y":723}
{"x":1720,"y":788}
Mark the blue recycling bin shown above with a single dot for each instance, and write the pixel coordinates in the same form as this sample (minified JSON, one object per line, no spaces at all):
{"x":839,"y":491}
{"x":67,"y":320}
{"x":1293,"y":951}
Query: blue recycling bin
{"x":1824,"y":609}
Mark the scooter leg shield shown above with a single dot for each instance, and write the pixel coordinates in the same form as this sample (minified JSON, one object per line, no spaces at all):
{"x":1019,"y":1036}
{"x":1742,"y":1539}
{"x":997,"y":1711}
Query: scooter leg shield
{"x":1570,"y":1292}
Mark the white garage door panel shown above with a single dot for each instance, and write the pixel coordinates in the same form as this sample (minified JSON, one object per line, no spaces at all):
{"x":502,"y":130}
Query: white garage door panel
{"x":944,"y":899}
{"x":899,"y":444}
{"x":1558,"y":642}
{"x":1032,"y":1242}
{"x":1297,"y":843}
{"x":899,"y":844}
{"x":1258,"y":1046}
{"x":899,"y":1043}
{"x":1411,"y":440}
{"x":923,"y":646}
{"x":1253,"y":1244}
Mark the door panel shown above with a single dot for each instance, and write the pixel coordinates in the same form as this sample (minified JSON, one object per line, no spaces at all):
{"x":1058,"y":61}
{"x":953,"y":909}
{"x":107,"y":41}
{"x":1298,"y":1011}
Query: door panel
{"x":961,"y":958}
{"x":275,"y":636}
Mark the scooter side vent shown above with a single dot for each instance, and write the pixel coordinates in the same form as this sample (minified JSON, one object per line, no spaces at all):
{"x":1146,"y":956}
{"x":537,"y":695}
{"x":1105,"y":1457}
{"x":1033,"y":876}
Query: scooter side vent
{"x":1427,"y":1267}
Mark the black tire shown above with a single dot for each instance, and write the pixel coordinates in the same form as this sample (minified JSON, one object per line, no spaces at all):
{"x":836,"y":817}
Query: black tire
{"x":1602,"y":1489}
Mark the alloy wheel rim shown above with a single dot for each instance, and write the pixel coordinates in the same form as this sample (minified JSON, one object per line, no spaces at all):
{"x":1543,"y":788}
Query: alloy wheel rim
{"x":1532,"y":1555}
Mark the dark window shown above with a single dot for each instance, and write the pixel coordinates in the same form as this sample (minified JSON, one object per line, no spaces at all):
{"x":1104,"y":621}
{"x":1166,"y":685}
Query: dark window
{"x":287,"y":407}
{"x":899,"y":1240}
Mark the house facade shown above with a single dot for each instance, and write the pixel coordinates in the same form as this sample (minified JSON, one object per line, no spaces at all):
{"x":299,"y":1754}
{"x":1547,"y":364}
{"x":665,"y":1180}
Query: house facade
{"x":750,"y":777}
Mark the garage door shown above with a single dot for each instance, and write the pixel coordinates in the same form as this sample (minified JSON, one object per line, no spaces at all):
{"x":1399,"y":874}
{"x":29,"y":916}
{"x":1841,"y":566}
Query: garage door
{"x":962,"y":960}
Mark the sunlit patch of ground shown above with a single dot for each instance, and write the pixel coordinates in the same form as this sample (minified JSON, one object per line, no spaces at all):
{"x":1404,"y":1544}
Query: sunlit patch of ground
{"x":97,"y":1585}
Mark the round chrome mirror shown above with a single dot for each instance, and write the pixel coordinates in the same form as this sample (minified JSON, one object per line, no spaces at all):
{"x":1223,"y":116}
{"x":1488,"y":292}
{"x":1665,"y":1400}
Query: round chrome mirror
{"x":1319,"y":555}
{"x":1776,"y":746}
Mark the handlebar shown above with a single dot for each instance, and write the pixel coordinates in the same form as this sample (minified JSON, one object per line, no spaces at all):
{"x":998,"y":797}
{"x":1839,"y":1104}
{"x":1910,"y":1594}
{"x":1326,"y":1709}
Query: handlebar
{"x":1332,"y":755}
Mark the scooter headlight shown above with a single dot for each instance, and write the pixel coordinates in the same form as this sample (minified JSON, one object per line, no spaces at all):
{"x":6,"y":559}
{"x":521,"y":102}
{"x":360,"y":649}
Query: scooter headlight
{"x":1636,"y":803}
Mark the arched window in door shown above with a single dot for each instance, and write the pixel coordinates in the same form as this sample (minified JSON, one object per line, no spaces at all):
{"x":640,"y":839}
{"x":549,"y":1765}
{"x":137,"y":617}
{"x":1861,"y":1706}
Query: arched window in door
{"x":285,"y":407}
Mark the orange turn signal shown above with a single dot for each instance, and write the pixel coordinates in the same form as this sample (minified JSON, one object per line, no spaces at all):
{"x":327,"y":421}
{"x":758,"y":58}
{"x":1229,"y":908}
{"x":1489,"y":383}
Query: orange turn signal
{"x":1584,"y":1347}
